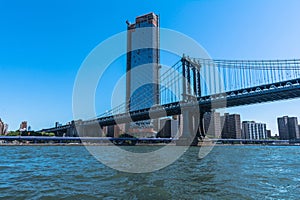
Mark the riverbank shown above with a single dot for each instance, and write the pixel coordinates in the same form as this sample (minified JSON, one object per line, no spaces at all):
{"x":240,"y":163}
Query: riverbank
{"x":138,"y":144}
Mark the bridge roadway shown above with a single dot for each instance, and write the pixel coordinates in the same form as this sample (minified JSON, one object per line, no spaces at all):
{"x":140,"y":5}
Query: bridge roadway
{"x":258,"y":94}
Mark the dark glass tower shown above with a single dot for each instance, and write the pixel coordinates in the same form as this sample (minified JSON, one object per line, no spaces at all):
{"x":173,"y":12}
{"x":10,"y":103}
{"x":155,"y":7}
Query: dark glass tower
{"x":142,"y":89}
{"x":142,"y":62}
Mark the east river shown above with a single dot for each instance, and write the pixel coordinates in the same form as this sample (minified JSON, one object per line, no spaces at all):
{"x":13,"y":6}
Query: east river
{"x":227,"y":172}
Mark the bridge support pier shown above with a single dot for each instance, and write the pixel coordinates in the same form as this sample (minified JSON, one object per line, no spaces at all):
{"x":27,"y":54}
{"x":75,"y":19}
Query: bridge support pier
{"x":72,"y":131}
{"x":192,"y":121}
{"x":190,"y":128}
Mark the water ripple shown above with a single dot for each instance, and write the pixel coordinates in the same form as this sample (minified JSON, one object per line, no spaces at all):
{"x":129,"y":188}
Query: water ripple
{"x":228,"y":172}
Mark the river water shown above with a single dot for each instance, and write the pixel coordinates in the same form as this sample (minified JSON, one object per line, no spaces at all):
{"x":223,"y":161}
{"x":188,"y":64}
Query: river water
{"x":227,"y":172}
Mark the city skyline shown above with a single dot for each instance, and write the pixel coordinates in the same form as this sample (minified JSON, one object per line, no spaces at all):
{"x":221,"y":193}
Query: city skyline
{"x":40,"y":64}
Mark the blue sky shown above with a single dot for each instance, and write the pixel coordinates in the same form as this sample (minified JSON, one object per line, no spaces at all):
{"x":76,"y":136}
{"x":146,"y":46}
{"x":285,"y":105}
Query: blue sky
{"x":43,"y":43}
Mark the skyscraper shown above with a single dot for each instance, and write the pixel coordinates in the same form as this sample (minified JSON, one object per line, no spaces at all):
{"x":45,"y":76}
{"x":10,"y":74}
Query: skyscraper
{"x":231,"y":126}
{"x":254,"y":131}
{"x":142,"y":70}
{"x":142,"y":62}
{"x":288,"y":128}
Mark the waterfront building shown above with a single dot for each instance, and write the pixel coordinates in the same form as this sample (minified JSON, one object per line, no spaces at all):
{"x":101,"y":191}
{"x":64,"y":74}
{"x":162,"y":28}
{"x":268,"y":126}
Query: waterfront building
{"x":254,"y":131}
{"x":269,"y":135}
{"x":110,"y":131}
{"x":212,"y":124}
{"x":142,"y":62}
{"x":142,"y":69}
{"x":231,"y":124}
{"x":23,"y":126}
{"x":1,"y":127}
{"x":164,"y":128}
{"x":168,"y":128}
{"x":5,"y":129}
{"x":288,"y":128}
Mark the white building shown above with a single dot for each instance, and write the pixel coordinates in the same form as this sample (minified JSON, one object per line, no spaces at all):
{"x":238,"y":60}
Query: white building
{"x":254,"y":131}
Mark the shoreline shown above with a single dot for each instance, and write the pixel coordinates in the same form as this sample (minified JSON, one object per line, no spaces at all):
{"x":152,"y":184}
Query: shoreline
{"x":138,"y":144}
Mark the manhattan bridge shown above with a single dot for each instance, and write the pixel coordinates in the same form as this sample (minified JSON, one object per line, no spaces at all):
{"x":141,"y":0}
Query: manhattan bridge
{"x":205,"y":84}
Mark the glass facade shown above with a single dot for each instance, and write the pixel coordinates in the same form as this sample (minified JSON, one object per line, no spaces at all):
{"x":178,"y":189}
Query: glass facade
{"x":142,"y":73}
{"x":142,"y":62}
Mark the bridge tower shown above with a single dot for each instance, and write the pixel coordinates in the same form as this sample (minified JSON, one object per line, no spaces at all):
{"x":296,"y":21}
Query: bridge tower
{"x":192,"y":117}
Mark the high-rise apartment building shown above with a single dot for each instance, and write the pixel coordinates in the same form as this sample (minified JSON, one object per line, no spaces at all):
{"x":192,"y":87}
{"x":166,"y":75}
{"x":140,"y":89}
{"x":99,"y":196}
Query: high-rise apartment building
{"x":269,"y":134}
{"x":142,"y":71}
{"x":254,"y":131}
{"x":288,"y":128}
{"x":212,"y":124}
{"x":231,"y":126}
{"x":142,"y":62}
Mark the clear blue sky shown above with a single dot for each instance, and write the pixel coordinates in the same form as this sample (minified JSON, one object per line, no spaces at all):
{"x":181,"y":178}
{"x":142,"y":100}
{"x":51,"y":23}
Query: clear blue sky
{"x":43,"y":43}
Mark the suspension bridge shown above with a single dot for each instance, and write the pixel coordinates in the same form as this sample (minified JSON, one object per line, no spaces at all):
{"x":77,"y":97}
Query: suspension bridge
{"x":193,"y":86}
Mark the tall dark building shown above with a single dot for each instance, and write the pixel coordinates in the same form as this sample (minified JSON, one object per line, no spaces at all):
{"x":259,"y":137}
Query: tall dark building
{"x":231,"y":126}
{"x":212,"y":124}
{"x":142,"y":71}
{"x":288,"y":128}
{"x":142,"y":62}
{"x":165,"y":128}
{"x":269,"y":134}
